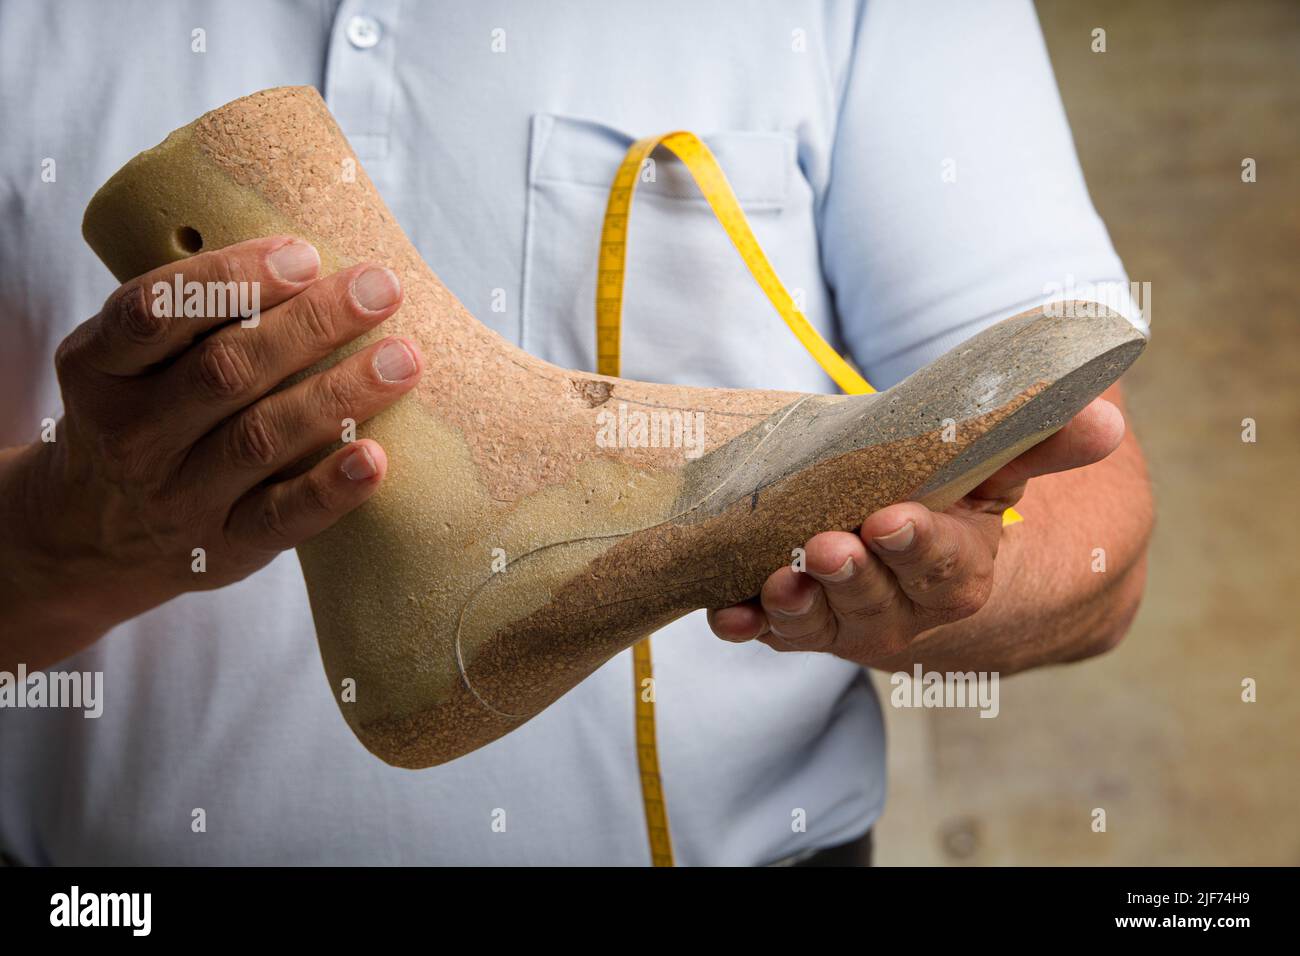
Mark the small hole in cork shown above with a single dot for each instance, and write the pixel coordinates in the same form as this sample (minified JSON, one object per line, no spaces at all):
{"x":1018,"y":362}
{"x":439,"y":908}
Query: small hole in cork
{"x":189,"y":240}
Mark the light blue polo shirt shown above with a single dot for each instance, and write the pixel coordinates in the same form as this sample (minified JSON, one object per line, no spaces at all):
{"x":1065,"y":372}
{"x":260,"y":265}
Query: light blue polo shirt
{"x":906,"y":166}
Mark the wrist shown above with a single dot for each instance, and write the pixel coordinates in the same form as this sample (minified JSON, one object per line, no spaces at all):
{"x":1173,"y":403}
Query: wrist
{"x":53,"y":589}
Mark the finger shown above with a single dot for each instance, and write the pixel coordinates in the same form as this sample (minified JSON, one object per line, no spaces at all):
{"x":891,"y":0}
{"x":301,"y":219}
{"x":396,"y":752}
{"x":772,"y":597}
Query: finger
{"x":235,"y":367}
{"x":283,"y":515}
{"x":943,"y":564}
{"x":145,"y":322}
{"x":1088,"y":437}
{"x":285,"y":427}
{"x":797,"y":613}
{"x":739,"y":622}
{"x":861,"y":591}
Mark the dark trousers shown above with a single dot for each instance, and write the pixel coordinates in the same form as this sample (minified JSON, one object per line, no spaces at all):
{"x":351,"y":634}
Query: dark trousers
{"x":854,"y":853}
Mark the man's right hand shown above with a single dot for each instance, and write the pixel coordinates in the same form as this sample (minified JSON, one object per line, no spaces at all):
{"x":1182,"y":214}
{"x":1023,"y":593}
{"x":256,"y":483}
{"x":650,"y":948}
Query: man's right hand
{"x":175,"y":438}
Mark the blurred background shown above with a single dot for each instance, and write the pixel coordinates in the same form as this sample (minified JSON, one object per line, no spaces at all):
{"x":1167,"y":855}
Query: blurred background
{"x":1156,"y":733}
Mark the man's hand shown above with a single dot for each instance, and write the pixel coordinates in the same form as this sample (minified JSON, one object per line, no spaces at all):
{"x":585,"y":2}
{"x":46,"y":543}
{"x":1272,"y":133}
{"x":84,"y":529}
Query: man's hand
{"x":175,"y":437}
{"x":869,"y":597}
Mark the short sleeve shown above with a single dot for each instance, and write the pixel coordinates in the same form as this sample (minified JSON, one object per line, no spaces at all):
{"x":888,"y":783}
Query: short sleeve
{"x":955,"y":197}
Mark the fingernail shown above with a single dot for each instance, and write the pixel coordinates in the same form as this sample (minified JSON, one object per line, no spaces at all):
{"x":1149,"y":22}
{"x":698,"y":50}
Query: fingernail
{"x":394,"y":362}
{"x":359,"y":466}
{"x":295,"y":261}
{"x":804,"y":607}
{"x":843,"y":574}
{"x":376,"y":289}
{"x":899,"y":540}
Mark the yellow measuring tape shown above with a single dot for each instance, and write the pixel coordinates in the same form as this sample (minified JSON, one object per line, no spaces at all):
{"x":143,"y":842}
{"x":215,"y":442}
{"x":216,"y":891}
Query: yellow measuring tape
{"x":704,"y":169}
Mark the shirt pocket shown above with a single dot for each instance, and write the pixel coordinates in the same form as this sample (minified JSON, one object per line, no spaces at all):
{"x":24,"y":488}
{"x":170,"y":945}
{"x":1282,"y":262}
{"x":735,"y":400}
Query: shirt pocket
{"x":692,"y":313}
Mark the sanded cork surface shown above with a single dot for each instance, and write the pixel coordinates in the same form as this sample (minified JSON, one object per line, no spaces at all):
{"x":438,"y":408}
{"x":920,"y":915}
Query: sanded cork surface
{"x":496,"y":452}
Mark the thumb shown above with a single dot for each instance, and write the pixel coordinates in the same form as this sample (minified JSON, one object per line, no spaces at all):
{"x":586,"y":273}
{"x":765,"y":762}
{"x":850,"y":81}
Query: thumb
{"x":1088,"y":437}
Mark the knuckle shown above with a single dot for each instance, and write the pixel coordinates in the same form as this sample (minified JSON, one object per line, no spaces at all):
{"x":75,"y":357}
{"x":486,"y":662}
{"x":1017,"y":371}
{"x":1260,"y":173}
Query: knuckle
{"x":126,"y":456}
{"x":252,"y":440}
{"x":226,"y":267}
{"x":867,"y":611}
{"x":812,"y":639}
{"x":118,"y":449}
{"x":67,"y":355}
{"x":338,"y":392}
{"x":937,"y":571}
{"x":315,"y":315}
{"x":317,"y":495}
{"x":130,"y":311}
{"x":224,"y":369}
{"x":805,"y":629}
{"x":271,"y":521}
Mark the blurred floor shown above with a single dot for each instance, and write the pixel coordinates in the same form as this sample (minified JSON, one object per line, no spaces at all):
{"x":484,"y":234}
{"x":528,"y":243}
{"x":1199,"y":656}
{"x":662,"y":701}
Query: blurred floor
{"x":1156,"y":732}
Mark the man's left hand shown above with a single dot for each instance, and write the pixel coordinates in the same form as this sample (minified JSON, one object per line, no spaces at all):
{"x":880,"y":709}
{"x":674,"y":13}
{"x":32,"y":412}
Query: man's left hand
{"x":867,"y":597}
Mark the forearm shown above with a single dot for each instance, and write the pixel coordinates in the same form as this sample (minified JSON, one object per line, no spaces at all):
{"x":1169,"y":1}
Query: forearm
{"x":54,"y":599}
{"x":1067,"y":581}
